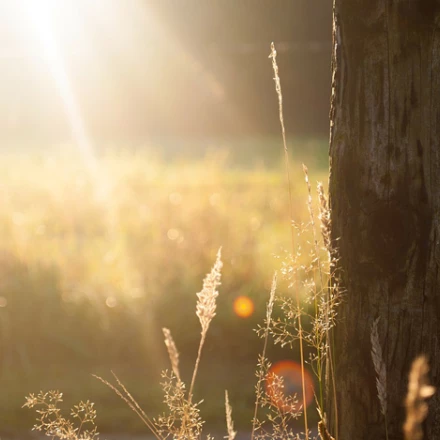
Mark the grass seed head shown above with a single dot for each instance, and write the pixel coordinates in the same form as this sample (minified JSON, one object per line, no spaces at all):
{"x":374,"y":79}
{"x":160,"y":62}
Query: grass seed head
{"x":379,"y":366}
{"x":172,"y":352}
{"x":206,"y":304}
{"x":324,"y":217}
{"x":229,"y":423}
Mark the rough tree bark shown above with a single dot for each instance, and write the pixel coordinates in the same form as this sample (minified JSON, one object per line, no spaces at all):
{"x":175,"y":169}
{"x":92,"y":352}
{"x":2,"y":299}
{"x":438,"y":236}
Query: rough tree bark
{"x":385,"y":201}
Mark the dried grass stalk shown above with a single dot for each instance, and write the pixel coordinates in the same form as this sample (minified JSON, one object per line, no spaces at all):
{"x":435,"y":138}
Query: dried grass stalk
{"x":205,"y":310}
{"x":271,"y":302}
{"x":206,"y":304}
{"x":323,"y":432}
{"x":416,"y":406}
{"x":324,"y":217}
{"x":51,"y":422}
{"x":172,"y":352}
{"x":379,"y":366}
{"x":273,"y":56}
{"x":260,"y":372}
{"x":229,"y":423}
{"x":131,"y":402}
{"x":381,"y":372}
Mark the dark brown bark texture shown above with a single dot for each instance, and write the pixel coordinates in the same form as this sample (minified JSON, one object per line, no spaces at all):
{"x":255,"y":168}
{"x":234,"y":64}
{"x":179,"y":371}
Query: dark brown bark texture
{"x":385,"y":202}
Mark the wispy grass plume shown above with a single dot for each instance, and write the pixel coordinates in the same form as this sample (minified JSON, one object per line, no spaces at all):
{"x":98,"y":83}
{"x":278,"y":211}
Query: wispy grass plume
{"x":182,"y":420}
{"x":379,"y":366}
{"x":206,"y":306}
{"x":53,"y":424}
{"x":262,"y":364}
{"x":333,"y":293}
{"x":324,"y":217}
{"x":273,"y":56}
{"x":381,"y":372}
{"x":229,"y":423}
{"x":172,"y":352}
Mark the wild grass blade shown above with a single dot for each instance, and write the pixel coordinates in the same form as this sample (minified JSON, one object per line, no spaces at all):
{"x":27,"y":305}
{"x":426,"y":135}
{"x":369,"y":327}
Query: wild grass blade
{"x":273,"y":56}
{"x":269,"y":310}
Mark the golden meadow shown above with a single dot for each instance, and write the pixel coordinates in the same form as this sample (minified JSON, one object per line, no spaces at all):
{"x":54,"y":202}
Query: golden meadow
{"x":94,"y":262}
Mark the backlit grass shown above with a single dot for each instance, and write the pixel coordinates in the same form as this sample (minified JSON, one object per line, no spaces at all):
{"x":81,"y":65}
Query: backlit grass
{"x":93,"y":266}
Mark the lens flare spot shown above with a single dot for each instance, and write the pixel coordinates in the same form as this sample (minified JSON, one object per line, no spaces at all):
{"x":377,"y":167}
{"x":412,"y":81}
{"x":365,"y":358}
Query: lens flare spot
{"x":285,"y":399}
{"x":243,"y":306}
{"x":111,"y":302}
{"x":173,"y":234}
{"x":3,"y":301}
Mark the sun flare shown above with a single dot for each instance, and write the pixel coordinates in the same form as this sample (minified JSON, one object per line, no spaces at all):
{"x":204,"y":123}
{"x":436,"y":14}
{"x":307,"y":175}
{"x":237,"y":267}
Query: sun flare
{"x":243,"y":306}
{"x":41,"y":16}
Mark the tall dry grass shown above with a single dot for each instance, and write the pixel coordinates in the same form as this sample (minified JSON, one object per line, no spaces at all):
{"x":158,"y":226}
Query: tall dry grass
{"x":273,"y":56}
{"x":316,"y":295}
{"x":381,"y":373}
{"x":205,"y":310}
{"x":183,"y":420}
{"x":321,"y":284}
{"x":50,"y":420}
{"x":229,"y":422}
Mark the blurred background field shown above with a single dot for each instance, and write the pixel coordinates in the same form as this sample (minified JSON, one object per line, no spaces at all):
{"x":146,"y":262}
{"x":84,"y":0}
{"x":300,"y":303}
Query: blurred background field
{"x":136,"y":138}
{"x":94,"y":265}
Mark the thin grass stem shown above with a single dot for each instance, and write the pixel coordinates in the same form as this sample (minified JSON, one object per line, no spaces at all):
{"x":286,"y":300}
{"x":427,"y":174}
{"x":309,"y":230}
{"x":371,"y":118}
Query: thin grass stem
{"x":263,"y":356}
{"x":321,"y":279}
{"x":128,"y":399}
{"x":196,"y":366}
{"x":277,"y":80}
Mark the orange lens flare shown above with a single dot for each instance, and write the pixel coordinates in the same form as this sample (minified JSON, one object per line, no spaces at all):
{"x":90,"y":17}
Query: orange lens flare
{"x":289,"y":398}
{"x":243,"y":306}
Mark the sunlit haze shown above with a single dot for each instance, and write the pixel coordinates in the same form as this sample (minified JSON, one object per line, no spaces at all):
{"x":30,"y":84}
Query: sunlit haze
{"x":86,"y":63}
{"x":137,"y":138}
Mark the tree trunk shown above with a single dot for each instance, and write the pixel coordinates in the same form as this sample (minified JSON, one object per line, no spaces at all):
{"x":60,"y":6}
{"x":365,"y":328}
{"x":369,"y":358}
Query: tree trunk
{"x":385,"y":202}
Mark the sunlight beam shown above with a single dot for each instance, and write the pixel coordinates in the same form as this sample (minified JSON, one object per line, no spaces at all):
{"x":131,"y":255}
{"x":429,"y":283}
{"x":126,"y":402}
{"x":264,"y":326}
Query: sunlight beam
{"x":39,"y":14}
